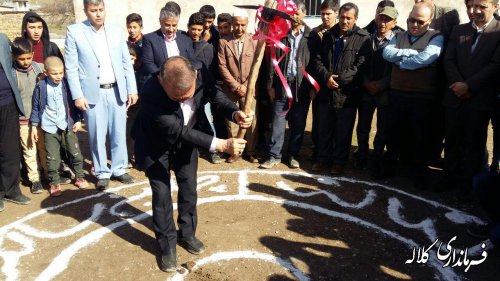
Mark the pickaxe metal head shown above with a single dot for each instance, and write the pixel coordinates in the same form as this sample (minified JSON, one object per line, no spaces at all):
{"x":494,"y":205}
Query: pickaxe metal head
{"x":268,"y":14}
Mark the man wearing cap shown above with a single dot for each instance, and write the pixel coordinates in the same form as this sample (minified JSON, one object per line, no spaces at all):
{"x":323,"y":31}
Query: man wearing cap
{"x":376,"y":84}
{"x":236,"y":53}
{"x":414,"y":88}
{"x":372,"y":26}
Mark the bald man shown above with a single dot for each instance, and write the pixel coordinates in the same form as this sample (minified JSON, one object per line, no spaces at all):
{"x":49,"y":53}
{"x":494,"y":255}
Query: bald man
{"x":167,"y":133}
{"x":414,"y":88}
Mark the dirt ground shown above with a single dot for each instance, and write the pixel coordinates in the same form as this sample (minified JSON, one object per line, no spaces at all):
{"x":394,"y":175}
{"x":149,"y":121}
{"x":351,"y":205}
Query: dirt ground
{"x":277,"y":224}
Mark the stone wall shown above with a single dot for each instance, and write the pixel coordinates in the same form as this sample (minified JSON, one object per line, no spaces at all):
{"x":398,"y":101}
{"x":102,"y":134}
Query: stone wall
{"x":10,"y":23}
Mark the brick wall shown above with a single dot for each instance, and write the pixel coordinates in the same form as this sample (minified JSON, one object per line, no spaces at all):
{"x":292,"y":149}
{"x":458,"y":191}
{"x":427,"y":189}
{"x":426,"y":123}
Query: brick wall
{"x":10,"y":23}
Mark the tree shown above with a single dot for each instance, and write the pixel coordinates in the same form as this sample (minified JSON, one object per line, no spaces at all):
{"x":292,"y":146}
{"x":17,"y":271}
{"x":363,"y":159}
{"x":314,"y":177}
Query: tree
{"x":57,"y":13}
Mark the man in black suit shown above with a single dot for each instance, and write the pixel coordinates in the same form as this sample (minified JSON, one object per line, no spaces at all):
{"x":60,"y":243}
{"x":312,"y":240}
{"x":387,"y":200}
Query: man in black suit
{"x":167,"y":133}
{"x":472,"y":62}
{"x":165,"y":42}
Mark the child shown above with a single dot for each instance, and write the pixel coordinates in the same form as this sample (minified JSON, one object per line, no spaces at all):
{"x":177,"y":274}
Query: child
{"x":134,"y":28}
{"x":210,"y":33}
{"x":26,"y":73}
{"x":224,"y":24}
{"x":55,"y":113}
{"x":135,"y":56}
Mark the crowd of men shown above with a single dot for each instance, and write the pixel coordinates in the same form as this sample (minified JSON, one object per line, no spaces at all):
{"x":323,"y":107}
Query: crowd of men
{"x":429,"y":80}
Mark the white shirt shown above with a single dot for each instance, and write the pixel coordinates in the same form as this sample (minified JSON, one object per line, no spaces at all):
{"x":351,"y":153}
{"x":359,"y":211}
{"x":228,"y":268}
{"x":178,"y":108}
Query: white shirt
{"x":171,"y":44}
{"x":479,"y":31}
{"x":106,"y":75}
{"x":188,"y":108}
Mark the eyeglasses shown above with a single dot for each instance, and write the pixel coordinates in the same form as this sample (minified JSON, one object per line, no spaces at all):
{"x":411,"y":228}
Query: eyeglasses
{"x":418,"y":22}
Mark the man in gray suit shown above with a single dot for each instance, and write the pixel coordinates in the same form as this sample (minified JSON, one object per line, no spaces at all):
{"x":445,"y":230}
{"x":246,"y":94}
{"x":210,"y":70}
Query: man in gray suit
{"x":11,"y":107}
{"x":472,"y":62}
{"x":102,"y":82}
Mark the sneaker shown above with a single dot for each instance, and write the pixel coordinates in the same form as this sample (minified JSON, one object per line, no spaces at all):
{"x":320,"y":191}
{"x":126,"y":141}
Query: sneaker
{"x":293,"y":163}
{"x":64,"y":180}
{"x":67,"y":173}
{"x":55,"y":190}
{"x":125,"y":178}
{"x":270,"y":163}
{"x":2,"y":205}
{"x":36,"y":187}
{"x":20,"y":199}
{"x":81,"y":183}
{"x":479,"y":231}
{"x":215,"y":158}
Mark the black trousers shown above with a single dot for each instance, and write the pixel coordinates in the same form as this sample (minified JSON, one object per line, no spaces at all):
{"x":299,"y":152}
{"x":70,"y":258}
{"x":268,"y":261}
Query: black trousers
{"x":366,"y":111}
{"x":466,"y":134}
{"x":335,"y":129}
{"x":185,"y":165}
{"x":416,"y":114}
{"x":10,"y":151}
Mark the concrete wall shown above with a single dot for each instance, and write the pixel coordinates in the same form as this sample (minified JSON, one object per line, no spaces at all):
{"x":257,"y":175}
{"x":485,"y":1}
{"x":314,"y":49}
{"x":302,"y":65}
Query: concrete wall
{"x":117,"y":10}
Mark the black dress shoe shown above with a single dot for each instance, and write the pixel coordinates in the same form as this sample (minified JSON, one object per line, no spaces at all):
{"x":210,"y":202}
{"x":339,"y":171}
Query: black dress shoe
{"x":102,"y":184}
{"x":168,"y":261}
{"x":20,"y":199}
{"x":125,"y":178}
{"x":192,"y":245}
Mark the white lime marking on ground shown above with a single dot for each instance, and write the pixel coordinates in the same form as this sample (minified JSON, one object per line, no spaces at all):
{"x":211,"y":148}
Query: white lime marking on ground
{"x":96,"y":214}
{"x":427,"y":226}
{"x":368,"y":200}
{"x":61,"y":262}
{"x":227,"y":256}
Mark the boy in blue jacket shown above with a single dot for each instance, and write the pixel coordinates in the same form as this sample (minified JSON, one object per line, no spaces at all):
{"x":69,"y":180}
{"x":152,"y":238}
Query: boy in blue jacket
{"x":54,"y":111}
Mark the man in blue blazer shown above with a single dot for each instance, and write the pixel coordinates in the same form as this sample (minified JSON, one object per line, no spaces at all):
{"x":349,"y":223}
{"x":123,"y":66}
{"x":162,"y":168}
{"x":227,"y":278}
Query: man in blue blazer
{"x":166,"y":42}
{"x":11,"y":107}
{"x":103,"y":86}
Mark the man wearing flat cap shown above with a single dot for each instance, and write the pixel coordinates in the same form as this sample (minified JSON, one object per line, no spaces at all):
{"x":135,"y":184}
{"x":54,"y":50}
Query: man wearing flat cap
{"x":376,"y":84}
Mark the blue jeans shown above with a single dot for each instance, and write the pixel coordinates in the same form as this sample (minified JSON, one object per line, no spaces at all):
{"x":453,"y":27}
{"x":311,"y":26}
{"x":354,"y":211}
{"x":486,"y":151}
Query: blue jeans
{"x":297,"y":117}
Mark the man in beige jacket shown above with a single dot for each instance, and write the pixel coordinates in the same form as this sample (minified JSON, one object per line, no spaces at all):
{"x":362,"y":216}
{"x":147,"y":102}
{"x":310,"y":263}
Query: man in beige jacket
{"x":236,"y":54}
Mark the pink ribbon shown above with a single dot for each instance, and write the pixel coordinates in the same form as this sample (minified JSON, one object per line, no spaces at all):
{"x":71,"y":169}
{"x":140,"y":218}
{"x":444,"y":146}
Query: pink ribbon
{"x":310,"y":79}
{"x":277,"y":29}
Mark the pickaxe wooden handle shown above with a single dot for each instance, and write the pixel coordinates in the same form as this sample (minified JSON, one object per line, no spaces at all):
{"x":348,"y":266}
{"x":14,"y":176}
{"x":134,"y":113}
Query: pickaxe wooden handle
{"x":254,"y":71}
